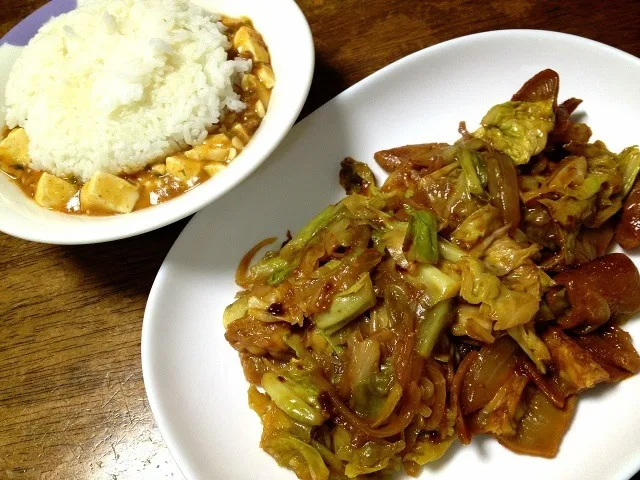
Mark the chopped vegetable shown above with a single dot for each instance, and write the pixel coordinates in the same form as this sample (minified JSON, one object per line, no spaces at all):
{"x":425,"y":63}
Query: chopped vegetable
{"x":283,"y":392}
{"x":431,"y":324}
{"x":469,"y":163}
{"x":518,"y":129}
{"x":435,"y":285}
{"x":629,"y":166}
{"x":421,"y":239}
{"x":347,"y":305}
{"x":470,"y":294}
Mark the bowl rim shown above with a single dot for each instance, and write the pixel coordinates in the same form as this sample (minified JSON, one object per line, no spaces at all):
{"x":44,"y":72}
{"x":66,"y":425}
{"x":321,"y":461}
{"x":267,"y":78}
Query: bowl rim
{"x":158,"y":216}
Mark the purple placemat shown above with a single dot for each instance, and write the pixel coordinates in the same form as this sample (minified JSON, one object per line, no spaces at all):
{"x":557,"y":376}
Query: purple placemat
{"x":27,"y":28}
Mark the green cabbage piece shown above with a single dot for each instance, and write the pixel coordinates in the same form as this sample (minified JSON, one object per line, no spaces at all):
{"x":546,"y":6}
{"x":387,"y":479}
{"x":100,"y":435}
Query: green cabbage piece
{"x":473,"y":321}
{"x":235,"y":311}
{"x":505,"y":254}
{"x":293,"y":391}
{"x":311,"y":229}
{"x":279,"y":275}
{"x":449,"y":251}
{"x":528,"y":278}
{"x":357,"y":177}
{"x":477,"y":225}
{"x":511,"y":308}
{"x":374,"y":456}
{"x":570,"y":212}
{"x":421,"y":240}
{"x":532,"y":345}
{"x":368,"y":211}
{"x":330,"y":459}
{"x":393,"y":241}
{"x":347,"y":305}
{"x":518,"y":129}
{"x":473,"y":172}
{"x":427,"y":451}
{"x":587,"y":189}
{"x":431,"y":323}
{"x":341,"y":439}
{"x":274,"y":267}
{"x":477,"y":286}
{"x":435,"y":285}
{"x":271,"y":268}
{"x":629,"y":166}
{"x":293,"y":453}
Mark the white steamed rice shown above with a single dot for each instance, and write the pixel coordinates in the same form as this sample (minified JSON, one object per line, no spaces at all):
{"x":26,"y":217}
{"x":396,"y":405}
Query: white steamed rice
{"x":116,"y":84}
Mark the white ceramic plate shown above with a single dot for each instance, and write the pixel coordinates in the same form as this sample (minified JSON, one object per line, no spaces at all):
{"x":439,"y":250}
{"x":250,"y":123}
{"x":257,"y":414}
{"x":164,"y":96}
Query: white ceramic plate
{"x":292,"y":62}
{"x":193,"y":378}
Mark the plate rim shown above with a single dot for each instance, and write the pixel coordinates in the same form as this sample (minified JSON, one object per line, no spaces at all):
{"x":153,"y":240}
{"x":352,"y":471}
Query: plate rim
{"x":623,"y":473}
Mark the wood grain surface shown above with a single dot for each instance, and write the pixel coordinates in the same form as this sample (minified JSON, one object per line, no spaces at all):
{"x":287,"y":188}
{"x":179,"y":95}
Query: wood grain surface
{"x":72,"y":399}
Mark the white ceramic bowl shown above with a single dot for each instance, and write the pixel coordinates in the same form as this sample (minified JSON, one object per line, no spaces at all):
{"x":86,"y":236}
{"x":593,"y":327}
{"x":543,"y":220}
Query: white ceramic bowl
{"x":289,"y":39}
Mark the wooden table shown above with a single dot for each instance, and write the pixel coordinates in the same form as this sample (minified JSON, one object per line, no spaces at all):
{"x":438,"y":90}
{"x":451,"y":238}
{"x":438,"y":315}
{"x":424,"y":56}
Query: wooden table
{"x":72,"y":400}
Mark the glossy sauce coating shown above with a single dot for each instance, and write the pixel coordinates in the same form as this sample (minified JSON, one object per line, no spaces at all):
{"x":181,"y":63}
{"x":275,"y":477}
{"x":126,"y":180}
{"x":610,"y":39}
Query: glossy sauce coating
{"x":605,"y":287}
{"x":628,"y":229}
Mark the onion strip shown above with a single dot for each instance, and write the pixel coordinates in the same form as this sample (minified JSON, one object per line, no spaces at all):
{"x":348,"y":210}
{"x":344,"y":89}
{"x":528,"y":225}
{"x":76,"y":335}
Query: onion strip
{"x":456,"y":387}
{"x":395,"y":426}
{"x":242,"y":273}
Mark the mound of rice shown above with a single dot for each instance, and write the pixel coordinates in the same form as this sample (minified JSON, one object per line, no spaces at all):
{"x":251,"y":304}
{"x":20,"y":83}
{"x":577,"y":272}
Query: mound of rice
{"x":116,"y":84}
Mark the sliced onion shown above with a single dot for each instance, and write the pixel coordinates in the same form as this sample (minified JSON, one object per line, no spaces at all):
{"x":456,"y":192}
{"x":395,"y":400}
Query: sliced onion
{"x":494,"y":365}
{"x":395,"y":425}
{"x":541,"y":429}
{"x":502,"y":182}
{"x":242,"y":273}
{"x":549,"y":390}
{"x":438,"y":404}
{"x":463,"y":369}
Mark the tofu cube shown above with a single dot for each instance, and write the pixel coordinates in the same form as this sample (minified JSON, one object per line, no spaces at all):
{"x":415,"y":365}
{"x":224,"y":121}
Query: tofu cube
{"x":260,"y":111}
{"x":214,"y":168}
{"x":266,"y":76}
{"x":109,"y":194}
{"x":247,"y":40}
{"x":183,"y":168}
{"x":53,"y":192}
{"x":264,"y":94}
{"x":238,"y":130}
{"x":250,"y":83}
{"x":214,"y":149}
{"x":14,"y":152}
{"x":159,"y":169}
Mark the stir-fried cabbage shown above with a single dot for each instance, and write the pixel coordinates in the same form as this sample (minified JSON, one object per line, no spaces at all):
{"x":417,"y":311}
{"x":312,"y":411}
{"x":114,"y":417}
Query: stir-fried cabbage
{"x":470,"y":294}
{"x":518,"y":129}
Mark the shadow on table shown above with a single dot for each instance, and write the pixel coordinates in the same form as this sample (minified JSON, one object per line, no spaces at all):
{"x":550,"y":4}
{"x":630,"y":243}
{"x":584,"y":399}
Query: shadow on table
{"x":327,"y":83}
{"x":128,"y":265}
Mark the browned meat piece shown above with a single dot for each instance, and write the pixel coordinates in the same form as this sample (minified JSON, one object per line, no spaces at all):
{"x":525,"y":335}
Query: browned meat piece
{"x":502,"y":182}
{"x":565,"y":131}
{"x":428,"y":155}
{"x":611,"y":345}
{"x":605,"y":287}
{"x":575,"y":369}
{"x":628,"y":229}
{"x":542,"y":86}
